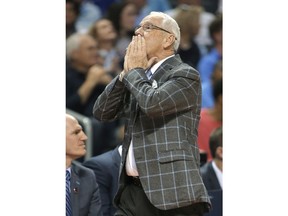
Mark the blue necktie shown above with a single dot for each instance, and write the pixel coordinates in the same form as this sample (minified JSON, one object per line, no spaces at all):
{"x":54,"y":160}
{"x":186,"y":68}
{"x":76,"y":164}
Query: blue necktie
{"x":149,"y":74}
{"x":68,"y":195}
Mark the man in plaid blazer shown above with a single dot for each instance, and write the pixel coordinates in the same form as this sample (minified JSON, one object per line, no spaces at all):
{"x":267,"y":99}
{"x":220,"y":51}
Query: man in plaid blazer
{"x":159,"y":172}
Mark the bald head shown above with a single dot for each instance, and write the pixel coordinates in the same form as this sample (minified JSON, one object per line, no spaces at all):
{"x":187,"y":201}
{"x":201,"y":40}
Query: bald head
{"x":70,"y":119}
{"x":81,"y":49}
{"x":75,"y":138}
{"x":168,"y":23}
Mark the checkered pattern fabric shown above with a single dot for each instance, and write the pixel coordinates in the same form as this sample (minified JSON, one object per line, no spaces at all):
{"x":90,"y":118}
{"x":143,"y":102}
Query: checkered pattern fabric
{"x":163,"y":125}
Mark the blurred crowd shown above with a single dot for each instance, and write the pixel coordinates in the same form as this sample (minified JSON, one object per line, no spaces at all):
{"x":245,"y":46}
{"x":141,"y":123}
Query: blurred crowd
{"x":97,"y":35}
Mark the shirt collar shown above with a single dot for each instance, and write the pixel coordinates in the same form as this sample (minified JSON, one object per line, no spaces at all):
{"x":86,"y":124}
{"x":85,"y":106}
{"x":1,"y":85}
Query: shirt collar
{"x":69,"y":169}
{"x":120,"y":150}
{"x":157,"y":65}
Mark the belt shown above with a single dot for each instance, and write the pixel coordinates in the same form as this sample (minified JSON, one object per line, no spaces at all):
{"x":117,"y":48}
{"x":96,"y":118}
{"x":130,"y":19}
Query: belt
{"x":135,"y":180}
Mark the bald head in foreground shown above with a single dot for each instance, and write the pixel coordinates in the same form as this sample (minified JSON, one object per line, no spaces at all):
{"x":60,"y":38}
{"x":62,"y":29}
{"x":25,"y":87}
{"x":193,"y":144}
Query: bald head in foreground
{"x":82,"y":192}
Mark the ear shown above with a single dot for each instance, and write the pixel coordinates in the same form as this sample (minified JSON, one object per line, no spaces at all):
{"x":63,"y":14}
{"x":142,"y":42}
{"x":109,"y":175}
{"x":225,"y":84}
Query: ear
{"x":74,"y":55}
{"x":168,"y":41}
{"x":219,"y":152}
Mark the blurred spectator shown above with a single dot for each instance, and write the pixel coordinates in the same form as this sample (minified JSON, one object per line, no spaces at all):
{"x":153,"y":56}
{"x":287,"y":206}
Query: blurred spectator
{"x":210,"y":119}
{"x":105,"y":4}
{"x":212,"y":6}
{"x":208,"y":61}
{"x":72,"y":12}
{"x":159,"y":5}
{"x":123,"y":16}
{"x":207,"y":87}
{"x":82,"y":191}
{"x":85,"y":80}
{"x":106,"y":168}
{"x":143,"y":10}
{"x":89,"y":13}
{"x":146,"y":6}
{"x":202,"y":39}
{"x":104,"y":33}
{"x":219,"y":10}
{"x":85,"y":77}
{"x":212,"y":171}
{"x":188,"y":21}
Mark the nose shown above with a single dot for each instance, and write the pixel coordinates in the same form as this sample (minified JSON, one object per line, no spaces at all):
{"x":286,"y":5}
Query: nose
{"x":84,"y":137}
{"x":139,"y":31}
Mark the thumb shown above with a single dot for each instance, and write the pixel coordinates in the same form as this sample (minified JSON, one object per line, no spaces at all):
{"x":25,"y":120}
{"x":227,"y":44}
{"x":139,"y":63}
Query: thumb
{"x":151,"y":62}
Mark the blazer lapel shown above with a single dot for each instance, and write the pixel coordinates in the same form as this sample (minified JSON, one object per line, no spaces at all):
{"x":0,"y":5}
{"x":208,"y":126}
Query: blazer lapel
{"x":213,"y":177}
{"x":165,"y":67}
{"x":116,"y":157}
{"x":75,"y":190}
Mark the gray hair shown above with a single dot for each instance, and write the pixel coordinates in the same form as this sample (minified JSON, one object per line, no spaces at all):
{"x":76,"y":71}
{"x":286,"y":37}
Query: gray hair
{"x":171,"y":25}
{"x":73,"y":43}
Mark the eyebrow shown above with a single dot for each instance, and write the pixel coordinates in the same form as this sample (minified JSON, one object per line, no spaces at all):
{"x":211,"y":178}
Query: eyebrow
{"x":78,"y":129}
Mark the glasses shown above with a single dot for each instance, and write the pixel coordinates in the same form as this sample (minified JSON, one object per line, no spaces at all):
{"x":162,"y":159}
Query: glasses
{"x":149,"y":27}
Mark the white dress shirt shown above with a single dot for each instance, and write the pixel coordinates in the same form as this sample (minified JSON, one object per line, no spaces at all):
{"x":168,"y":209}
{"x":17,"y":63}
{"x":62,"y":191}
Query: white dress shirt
{"x":218,"y":173}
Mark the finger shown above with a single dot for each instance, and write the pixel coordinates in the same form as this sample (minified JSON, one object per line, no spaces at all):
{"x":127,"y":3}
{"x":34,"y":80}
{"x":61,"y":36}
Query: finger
{"x":129,"y":49}
{"x":143,"y":45}
{"x":128,"y":53}
{"x":125,"y":64}
{"x":134,"y":43}
{"x":139,"y":41}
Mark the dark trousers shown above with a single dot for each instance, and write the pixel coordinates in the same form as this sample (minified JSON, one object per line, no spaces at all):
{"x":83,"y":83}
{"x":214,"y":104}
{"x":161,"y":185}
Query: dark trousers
{"x":134,"y":202}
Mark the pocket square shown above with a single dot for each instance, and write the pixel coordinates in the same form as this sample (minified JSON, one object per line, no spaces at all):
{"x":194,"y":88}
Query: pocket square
{"x":154,"y":84}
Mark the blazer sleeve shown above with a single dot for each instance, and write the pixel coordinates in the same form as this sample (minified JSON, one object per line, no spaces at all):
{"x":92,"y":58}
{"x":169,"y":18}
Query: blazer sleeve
{"x":109,"y":105}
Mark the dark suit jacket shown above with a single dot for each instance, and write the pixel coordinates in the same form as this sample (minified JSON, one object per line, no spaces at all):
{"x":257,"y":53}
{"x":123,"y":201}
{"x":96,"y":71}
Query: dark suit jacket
{"x":106,"y":169}
{"x":162,"y":119}
{"x":85,"y":196}
{"x":214,"y":189}
{"x":209,"y":177}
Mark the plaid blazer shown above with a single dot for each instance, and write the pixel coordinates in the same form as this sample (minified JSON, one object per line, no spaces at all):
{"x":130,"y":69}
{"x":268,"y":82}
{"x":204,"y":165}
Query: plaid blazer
{"x":162,"y":116}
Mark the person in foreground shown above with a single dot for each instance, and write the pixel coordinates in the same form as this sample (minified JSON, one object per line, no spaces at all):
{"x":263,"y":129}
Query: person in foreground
{"x":159,"y":172}
{"x":212,"y":171}
{"x":82,"y":192}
